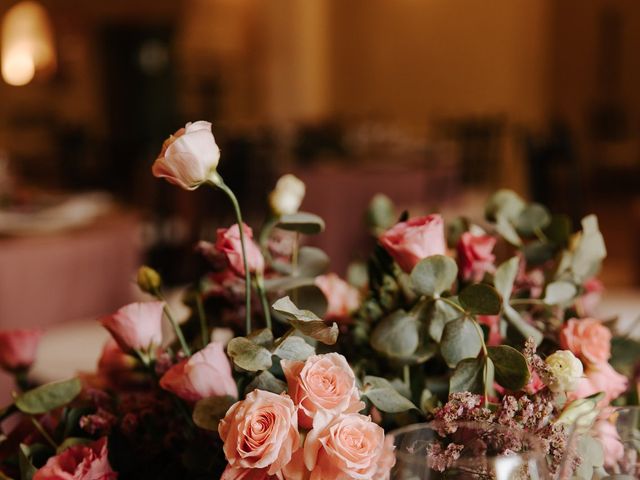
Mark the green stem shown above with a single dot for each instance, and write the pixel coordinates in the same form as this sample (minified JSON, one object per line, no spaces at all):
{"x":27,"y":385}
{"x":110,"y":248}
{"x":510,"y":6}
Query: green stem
{"x":485,"y":371}
{"x":177,"y":329}
{"x":287,"y":334}
{"x":264,"y":300}
{"x":43,"y":432}
{"x":406,"y":371}
{"x":218,"y":182}
{"x":204,"y":328}
{"x":527,"y":301}
{"x":453,"y":304}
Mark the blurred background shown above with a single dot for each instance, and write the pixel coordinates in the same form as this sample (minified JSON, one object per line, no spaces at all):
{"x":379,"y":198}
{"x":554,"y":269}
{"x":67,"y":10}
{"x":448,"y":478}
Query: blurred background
{"x":433,"y":102}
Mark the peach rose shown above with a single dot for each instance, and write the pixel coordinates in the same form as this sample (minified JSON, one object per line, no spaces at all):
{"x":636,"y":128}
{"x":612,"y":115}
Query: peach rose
{"x":206,"y":373}
{"x":80,"y":462}
{"x":342,"y":298}
{"x":601,"y":378}
{"x":588,"y":339}
{"x":349,"y":447}
{"x":18,"y":348}
{"x":233,"y":473}
{"x":323,"y":387}
{"x":475,"y":256}
{"x":411,"y":241}
{"x":137,"y":326}
{"x":260,"y":432}
{"x":228,"y":242}
{"x":607,"y":433}
{"x":189,"y":157}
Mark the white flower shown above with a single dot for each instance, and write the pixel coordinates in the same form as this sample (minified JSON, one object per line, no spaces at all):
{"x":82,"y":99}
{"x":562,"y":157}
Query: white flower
{"x":566,"y":370}
{"x":286,"y":198}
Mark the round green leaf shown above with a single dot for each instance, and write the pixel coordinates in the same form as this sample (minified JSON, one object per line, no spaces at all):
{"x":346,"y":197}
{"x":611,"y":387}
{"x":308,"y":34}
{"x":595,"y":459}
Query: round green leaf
{"x":209,"y":411}
{"x":302,"y":222}
{"x":433,"y":275}
{"x":533,"y":218}
{"x":48,"y":397}
{"x":248,"y":355}
{"x":511,"y":369}
{"x":468,"y":376}
{"x":384,"y":396}
{"x":559,"y":292}
{"x":396,"y":336}
{"x":266,"y":381}
{"x":460,"y":340}
{"x":506,"y":203}
{"x":481,"y":299}
{"x":294,"y":348}
{"x":306,"y":321}
{"x":505,"y":277}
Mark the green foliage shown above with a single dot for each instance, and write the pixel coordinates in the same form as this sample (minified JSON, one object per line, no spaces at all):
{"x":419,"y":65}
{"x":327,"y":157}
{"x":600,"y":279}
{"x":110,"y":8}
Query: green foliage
{"x":460,"y":340}
{"x":504,"y":203}
{"x":481,"y":299}
{"x":294,"y":348}
{"x":306,"y":321}
{"x":381,"y":214}
{"x":468,"y":376}
{"x":209,"y":411}
{"x":396,"y":336}
{"x":385,"y":397}
{"x":48,"y":397}
{"x":27,"y":470}
{"x":302,"y":222}
{"x":559,"y":293}
{"x":266,"y":381}
{"x":72,"y":442}
{"x":433,"y":275}
{"x":511,"y":369}
{"x":532,"y":220}
{"x":439,"y":314}
{"x":249,"y":356}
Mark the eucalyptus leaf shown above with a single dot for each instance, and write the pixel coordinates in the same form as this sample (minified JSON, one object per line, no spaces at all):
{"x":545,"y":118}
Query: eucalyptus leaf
{"x":266,"y":381}
{"x":455,"y":229}
{"x":511,"y":369}
{"x":384,"y":396}
{"x":262,"y":337}
{"x":310,"y":297}
{"x":27,"y":470}
{"x":533,"y":219}
{"x":312,"y":261}
{"x":525,"y":328}
{"x":428,"y":401}
{"x":48,"y":397}
{"x":559,"y":293}
{"x":468,"y":376}
{"x":433,"y":275}
{"x":538,"y":252}
{"x":208,"y":412}
{"x":306,"y":321}
{"x":248,"y":355}
{"x":381,"y":213}
{"x":397,"y":335}
{"x":559,"y":230}
{"x":481,"y":299}
{"x":439,"y":315}
{"x":294,"y":348}
{"x":460,"y":340}
{"x":507,"y":231}
{"x":302,"y":222}
{"x":590,"y":250}
{"x":506,"y":203}
{"x":505,"y":277}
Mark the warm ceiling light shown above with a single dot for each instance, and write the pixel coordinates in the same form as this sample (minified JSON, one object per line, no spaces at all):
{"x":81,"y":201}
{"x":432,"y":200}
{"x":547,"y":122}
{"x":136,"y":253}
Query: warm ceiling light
{"x":27,"y":43}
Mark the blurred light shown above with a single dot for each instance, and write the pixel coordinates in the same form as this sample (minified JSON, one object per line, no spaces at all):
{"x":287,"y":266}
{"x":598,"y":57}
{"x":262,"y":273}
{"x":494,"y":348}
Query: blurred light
{"x":27,"y":43}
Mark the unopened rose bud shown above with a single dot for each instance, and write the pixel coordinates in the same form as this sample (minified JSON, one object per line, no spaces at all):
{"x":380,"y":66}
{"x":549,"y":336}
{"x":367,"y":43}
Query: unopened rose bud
{"x":286,"y":198}
{"x":149,"y":280}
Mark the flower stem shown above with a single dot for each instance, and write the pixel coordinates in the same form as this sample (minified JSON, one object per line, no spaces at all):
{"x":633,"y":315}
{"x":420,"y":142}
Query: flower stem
{"x":178,"y":330}
{"x":264,"y":300}
{"x":406,"y":371}
{"x":204,"y":328}
{"x":43,"y":432}
{"x":218,"y":182}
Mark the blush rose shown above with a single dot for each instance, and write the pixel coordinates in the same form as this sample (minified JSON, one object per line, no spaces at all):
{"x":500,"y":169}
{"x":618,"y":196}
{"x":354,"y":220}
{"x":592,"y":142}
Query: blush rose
{"x":228,"y":243}
{"x":137,"y":326}
{"x":588,"y":339}
{"x":342,"y":298}
{"x":411,"y":241}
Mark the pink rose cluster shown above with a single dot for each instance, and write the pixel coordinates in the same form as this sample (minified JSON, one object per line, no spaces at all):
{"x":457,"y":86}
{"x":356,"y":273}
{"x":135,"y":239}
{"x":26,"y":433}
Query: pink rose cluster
{"x":590,"y":341}
{"x":79,"y":462}
{"x":314,"y":432}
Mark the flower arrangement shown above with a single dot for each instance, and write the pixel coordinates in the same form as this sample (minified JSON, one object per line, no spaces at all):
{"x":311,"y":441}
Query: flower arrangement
{"x":285,"y":371}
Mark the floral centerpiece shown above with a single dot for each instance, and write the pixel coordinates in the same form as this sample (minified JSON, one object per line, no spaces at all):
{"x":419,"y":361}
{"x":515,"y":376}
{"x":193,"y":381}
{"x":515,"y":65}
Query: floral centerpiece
{"x":286,"y":371}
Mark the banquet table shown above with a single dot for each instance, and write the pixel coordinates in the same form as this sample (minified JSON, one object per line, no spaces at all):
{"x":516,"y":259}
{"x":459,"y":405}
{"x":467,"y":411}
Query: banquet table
{"x":67,"y":275}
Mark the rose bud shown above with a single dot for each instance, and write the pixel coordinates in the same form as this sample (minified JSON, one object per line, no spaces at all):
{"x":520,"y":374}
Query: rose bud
{"x":18,"y":348}
{"x":286,"y":198}
{"x":149,"y":280}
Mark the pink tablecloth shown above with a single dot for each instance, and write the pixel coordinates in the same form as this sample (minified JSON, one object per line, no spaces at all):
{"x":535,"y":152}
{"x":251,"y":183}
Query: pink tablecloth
{"x":72,"y":275}
{"x":341,"y":195}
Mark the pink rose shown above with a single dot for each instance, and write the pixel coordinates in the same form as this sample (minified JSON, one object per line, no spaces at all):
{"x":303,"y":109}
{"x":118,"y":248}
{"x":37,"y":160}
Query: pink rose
{"x":607,"y":433}
{"x":342,"y":298}
{"x":411,"y":241}
{"x":588,"y":339}
{"x":233,"y":473}
{"x":80,"y":462}
{"x":228,"y":242}
{"x":137,"y":326}
{"x":323,"y":387}
{"x":260,"y":432}
{"x":493,"y":322}
{"x":189,"y":157}
{"x":601,"y":378}
{"x":349,"y":447}
{"x":206,"y":374}
{"x":386,"y":461}
{"x":18,"y":348}
{"x":475,"y":256}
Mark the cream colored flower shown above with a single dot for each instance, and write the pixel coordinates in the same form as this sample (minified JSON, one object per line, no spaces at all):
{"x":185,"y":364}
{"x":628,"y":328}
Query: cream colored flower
{"x":286,"y":198}
{"x":566,"y":370}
